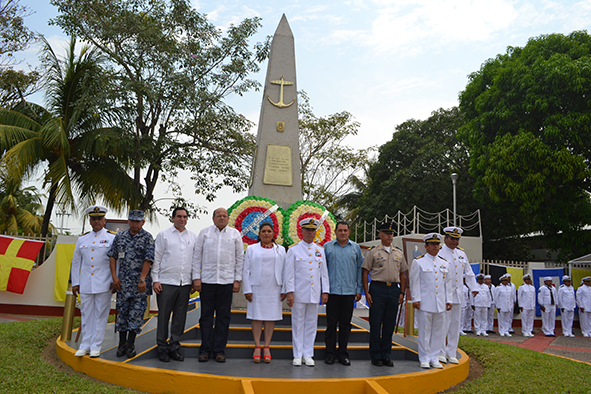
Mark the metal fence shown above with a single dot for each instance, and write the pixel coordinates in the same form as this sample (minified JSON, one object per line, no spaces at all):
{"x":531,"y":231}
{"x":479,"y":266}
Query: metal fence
{"x":50,"y":242}
{"x":418,"y":221}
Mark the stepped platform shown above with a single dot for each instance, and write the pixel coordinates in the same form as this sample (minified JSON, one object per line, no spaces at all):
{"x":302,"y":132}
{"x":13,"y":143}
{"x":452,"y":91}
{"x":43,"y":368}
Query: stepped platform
{"x":240,"y":375}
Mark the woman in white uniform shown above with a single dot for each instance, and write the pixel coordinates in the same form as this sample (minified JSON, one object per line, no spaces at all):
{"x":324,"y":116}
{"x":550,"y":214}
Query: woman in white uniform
{"x":262,"y":282}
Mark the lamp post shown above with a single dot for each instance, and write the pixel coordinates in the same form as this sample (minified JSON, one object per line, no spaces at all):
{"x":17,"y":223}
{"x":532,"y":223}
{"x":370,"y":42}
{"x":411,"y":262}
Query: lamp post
{"x":454,"y":178}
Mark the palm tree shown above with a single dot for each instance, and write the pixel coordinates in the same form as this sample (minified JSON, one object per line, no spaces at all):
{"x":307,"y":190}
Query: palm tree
{"x":19,"y":207}
{"x":84,"y":159}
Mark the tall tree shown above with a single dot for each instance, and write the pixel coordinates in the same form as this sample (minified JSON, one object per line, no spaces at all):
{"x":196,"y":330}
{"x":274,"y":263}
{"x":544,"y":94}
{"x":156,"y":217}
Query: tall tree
{"x":327,"y":164}
{"x":15,"y":36}
{"x":83,"y":157}
{"x":528,"y":118}
{"x":174,"y":70}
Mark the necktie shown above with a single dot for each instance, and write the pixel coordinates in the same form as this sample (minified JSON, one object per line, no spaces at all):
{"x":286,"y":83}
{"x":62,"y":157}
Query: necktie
{"x":551,"y":295}
{"x":491,"y":295}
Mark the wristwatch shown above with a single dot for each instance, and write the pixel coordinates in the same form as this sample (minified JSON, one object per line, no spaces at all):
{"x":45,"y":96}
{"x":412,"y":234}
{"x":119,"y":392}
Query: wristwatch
{"x":142,"y":281}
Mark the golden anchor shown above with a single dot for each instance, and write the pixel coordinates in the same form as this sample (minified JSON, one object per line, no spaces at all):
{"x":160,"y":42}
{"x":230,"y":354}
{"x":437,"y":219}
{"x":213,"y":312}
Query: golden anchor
{"x":282,"y":83}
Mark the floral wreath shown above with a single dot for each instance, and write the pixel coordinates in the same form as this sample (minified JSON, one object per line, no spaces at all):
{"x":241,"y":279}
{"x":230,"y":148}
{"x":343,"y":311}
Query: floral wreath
{"x":244,"y":215}
{"x":300,"y":210}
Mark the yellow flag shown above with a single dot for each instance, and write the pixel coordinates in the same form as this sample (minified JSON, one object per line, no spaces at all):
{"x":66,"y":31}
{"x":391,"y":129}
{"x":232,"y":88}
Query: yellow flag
{"x":64,"y":254}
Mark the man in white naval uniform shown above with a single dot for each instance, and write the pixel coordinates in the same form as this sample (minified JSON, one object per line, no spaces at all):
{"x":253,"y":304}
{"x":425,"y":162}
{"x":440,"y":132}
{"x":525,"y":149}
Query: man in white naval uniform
{"x":547,"y":300}
{"x":431,"y":290}
{"x":480,"y":304}
{"x":504,"y":300}
{"x":306,"y":284}
{"x":91,"y":277}
{"x":584,"y":304}
{"x":459,"y":267}
{"x":567,"y":303}
{"x":526,"y":297}
{"x":491,"y":312}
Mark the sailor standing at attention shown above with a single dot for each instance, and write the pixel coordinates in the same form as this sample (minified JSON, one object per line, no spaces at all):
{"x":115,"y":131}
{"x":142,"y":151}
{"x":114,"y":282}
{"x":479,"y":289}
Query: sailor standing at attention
{"x":431,"y":290}
{"x":459,"y":267}
{"x":526,"y":298}
{"x":91,"y":277}
{"x":547,"y":300}
{"x":306,"y":284}
{"x":567,"y":303}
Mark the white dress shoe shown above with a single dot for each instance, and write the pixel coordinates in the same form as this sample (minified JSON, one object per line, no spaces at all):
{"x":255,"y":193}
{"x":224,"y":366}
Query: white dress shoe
{"x":81,"y":352}
{"x":425,"y":365}
{"x":309,"y":361}
{"x":442,"y":359}
{"x":502,"y":335}
{"x":462,"y":333}
{"x":477,"y":334}
{"x":484,"y":334}
{"x":437,"y":365}
{"x":586,"y":335}
{"x":95,"y":353}
{"x":453,"y":360}
{"x":572,"y":335}
{"x":508,"y":335}
{"x":297,"y":361}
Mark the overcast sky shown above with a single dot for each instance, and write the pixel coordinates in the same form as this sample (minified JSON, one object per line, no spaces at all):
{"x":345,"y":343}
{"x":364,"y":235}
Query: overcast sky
{"x":384,"y":61}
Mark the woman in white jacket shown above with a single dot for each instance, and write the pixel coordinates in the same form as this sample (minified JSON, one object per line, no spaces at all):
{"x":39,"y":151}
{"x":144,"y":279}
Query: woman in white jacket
{"x":263,"y":283}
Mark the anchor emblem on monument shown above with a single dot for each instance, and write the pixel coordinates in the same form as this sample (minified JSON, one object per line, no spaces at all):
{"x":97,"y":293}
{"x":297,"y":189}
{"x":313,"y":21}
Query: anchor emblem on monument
{"x":282,"y":83}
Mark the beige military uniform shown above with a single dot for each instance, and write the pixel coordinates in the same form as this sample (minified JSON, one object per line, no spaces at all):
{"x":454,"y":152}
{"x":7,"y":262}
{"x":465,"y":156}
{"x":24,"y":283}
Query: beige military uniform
{"x":385,"y":266}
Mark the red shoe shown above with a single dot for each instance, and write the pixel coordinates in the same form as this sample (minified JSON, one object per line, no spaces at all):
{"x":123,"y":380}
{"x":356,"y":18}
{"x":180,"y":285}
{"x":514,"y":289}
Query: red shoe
{"x":257,"y":358}
{"x":267,"y":358}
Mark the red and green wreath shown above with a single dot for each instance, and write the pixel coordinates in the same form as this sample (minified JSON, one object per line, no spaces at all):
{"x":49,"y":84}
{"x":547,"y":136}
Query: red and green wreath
{"x":250,"y":209}
{"x":301,"y":210}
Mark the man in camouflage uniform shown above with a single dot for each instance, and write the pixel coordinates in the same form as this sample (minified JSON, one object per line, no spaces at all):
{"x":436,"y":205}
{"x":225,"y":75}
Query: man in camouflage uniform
{"x":131,"y":256}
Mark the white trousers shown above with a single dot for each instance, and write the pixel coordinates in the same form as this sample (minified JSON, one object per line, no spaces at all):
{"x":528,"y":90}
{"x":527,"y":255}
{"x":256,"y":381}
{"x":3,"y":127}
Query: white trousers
{"x":490,"y":324}
{"x":549,"y":320}
{"x":585,"y":319}
{"x":451,"y":329}
{"x":567,"y":322}
{"x":467,"y":318}
{"x":431,"y":335}
{"x":480,"y":319}
{"x":527,"y":321}
{"x":304,"y":322}
{"x":504,"y":319}
{"x":94,"y":309}
{"x":511,"y":320}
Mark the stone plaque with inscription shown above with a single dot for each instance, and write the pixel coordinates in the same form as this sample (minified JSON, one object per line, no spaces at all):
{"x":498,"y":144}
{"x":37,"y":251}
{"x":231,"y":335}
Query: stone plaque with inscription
{"x":278,"y":169}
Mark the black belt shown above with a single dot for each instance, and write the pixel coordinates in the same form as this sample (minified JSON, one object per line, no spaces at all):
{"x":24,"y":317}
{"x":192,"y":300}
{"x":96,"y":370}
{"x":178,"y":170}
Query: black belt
{"x":385,"y":283}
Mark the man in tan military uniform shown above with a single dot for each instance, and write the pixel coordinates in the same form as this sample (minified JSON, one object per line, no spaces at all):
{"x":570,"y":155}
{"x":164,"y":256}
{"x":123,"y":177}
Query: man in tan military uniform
{"x":388,"y":282}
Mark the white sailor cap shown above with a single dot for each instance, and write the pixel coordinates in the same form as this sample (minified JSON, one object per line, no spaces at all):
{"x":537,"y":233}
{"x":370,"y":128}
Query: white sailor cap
{"x":96,"y":210}
{"x":547,"y":278}
{"x":432,"y":237}
{"x":453,"y":231}
{"x":487,"y":277}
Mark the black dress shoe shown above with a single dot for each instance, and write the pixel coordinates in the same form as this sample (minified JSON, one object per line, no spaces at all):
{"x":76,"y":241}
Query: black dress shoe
{"x":329,"y":360}
{"x":387,"y":362}
{"x":203,"y":357}
{"x":121,"y":350}
{"x":163,"y":356}
{"x":176,"y":356}
{"x":345,"y":361}
{"x":130,"y":351}
{"x":377,"y":363}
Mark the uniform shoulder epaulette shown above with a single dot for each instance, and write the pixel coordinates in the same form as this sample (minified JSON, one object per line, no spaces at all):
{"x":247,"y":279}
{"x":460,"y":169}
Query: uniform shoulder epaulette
{"x":442,"y":258}
{"x":419,"y":256}
{"x":85,"y":233}
{"x":562,"y":285}
{"x":112,"y":232}
{"x":291,"y":246}
{"x":461,"y":249}
{"x":372,"y":247}
{"x":398,"y":248}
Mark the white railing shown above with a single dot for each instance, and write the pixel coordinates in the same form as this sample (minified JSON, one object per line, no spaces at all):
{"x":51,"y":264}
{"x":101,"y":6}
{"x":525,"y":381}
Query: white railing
{"x":418,"y":221}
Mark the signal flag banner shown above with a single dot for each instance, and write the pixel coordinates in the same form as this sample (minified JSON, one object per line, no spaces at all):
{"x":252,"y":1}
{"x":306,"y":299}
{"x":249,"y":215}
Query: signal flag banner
{"x":17,"y":257}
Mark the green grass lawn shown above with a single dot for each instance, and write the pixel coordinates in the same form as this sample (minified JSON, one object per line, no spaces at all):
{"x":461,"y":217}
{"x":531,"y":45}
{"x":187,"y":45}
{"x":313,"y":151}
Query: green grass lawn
{"x":508,"y":369}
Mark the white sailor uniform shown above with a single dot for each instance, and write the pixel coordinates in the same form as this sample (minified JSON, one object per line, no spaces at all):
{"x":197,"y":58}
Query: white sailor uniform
{"x":526,"y":297}
{"x":306,"y":276}
{"x":504,"y":301}
{"x":90,"y":270}
{"x":584,"y":304}
{"x":566,"y":303}
{"x":547,"y":298}
{"x":481,"y":303}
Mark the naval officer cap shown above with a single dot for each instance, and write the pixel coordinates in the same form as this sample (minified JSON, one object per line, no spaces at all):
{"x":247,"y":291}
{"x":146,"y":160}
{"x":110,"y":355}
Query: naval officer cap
{"x":566,"y":277}
{"x":586,"y":279}
{"x":453,"y":231}
{"x":480,"y":276}
{"x":387,"y":228}
{"x":432,"y":238}
{"x":96,"y":210}
{"x":136,"y":214}
{"x":526,"y":276}
{"x":504,"y":277}
{"x":310,"y":223}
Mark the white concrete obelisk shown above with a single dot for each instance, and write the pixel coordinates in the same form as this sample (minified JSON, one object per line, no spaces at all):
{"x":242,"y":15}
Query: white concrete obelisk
{"x":276,"y":165}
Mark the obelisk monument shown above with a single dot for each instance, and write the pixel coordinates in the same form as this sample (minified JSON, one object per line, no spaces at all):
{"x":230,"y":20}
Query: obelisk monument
{"x":276,"y":165}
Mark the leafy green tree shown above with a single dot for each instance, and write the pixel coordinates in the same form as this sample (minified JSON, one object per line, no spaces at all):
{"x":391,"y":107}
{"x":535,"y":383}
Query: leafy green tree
{"x":527,"y":126}
{"x":14,"y":37}
{"x":173,"y":70}
{"x":82,"y":157}
{"x":20,"y":207}
{"x":327,"y":165}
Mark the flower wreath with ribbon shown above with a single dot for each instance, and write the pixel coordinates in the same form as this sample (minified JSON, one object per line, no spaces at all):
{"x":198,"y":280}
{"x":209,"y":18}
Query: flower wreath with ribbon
{"x":246,"y":216}
{"x":300,"y":210}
